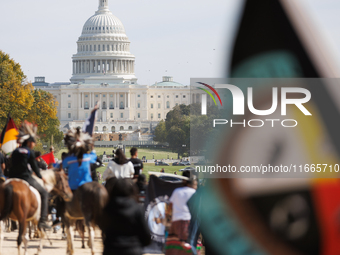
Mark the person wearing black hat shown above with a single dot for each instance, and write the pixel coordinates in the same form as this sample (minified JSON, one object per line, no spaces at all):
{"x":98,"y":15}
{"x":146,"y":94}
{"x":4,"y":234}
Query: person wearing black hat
{"x":23,"y":156}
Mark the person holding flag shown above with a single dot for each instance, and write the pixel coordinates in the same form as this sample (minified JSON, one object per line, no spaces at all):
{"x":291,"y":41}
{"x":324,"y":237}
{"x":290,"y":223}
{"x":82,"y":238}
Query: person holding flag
{"x":20,"y":159}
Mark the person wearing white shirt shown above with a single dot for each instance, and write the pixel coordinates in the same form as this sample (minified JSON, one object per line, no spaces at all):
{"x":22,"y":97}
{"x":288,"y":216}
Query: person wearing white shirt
{"x":120,"y":167}
{"x":180,"y":211}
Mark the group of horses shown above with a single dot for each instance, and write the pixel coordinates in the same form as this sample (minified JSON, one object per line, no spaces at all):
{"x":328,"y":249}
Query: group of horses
{"x":21,"y":202}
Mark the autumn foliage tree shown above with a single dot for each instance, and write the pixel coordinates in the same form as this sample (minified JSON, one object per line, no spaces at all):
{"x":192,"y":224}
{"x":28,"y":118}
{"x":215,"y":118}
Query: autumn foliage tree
{"x":19,"y":99}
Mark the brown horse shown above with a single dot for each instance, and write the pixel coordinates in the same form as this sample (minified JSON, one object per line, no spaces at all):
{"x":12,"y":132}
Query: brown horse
{"x":22,"y":203}
{"x":88,"y":203}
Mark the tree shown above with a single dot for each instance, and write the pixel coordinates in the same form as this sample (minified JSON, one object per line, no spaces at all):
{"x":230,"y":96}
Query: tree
{"x":19,"y":99}
{"x":186,"y":129}
{"x":176,"y":138}
{"x":44,"y":110}
{"x":15,"y":92}
{"x":160,"y":132}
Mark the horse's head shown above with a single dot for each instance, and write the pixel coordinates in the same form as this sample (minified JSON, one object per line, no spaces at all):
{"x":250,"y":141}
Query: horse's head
{"x":61,"y":186}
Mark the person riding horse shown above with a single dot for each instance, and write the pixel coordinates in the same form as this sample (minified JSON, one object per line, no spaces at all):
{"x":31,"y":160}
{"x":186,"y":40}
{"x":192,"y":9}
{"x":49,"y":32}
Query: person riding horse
{"x":78,"y":161}
{"x":23,"y":156}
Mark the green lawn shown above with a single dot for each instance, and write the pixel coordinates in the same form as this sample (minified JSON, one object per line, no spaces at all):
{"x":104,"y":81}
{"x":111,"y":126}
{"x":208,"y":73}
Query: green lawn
{"x":152,"y":168}
{"x":158,"y":153}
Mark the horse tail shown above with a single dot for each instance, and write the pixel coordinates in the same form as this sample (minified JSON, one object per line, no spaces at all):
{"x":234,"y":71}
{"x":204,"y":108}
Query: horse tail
{"x":8,"y":202}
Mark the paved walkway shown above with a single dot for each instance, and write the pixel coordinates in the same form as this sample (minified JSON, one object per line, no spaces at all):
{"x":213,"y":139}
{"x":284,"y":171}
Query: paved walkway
{"x":58,"y":246}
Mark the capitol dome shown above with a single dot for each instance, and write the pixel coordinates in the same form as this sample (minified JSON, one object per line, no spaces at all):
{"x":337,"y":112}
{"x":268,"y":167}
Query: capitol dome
{"x":105,"y":23}
{"x":103,"y":53}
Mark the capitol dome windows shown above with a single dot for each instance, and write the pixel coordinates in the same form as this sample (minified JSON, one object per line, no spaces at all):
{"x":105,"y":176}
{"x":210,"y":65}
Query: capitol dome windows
{"x":111,"y":105}
{"x":86,"y":105}
{"x":121,"y":105}
{"x":168,"y":104}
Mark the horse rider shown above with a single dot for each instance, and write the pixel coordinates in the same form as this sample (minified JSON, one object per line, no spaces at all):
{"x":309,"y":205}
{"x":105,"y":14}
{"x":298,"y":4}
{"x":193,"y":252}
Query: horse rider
{"x":79,"y":158}
{"x":22,"y":158}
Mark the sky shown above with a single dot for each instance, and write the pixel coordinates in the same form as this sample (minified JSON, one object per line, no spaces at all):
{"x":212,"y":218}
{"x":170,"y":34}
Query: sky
{"x":183,"y":39}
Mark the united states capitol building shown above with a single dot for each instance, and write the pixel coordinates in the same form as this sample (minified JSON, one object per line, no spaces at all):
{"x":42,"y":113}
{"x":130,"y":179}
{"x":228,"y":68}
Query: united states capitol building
{"x":104,"y":72}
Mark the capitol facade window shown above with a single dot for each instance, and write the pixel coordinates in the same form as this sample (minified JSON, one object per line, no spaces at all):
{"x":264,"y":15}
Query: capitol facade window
{"x":151,"y":106}
{"x":168,"y":104}
{"x":138,"y":115}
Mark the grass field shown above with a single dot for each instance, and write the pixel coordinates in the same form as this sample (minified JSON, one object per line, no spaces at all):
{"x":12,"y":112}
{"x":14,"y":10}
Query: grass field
{"x":149,"y":153}
{"x":152,"y":168}
{"x":158,"y":154}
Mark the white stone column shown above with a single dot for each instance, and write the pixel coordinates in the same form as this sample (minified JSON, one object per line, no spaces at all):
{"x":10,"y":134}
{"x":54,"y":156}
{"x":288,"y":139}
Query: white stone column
{"x":107,"y":101}
{"x":125,"y":103}
{"x":91,"y":66}
{"x":79,"y":104}
{"x":82,"y":100}
{"x":92,"y":102}
{"x":117,"y":100}
{"x":78,"y":108}
{"x":100,"y":100}
{"x":129,"y":104}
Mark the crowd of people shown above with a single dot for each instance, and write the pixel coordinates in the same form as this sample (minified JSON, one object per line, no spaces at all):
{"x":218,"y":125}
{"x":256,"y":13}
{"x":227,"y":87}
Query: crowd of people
{"x":126,"y":231}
